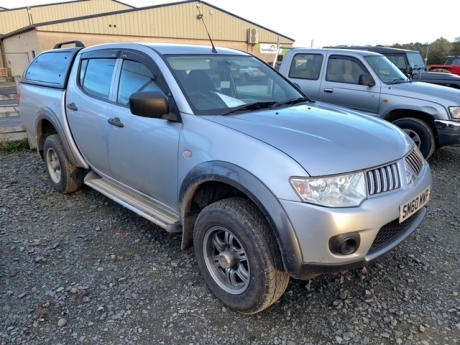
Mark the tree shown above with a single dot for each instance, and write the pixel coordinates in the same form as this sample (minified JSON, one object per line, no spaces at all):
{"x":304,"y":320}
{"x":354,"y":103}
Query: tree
{"x":441,"y":45}
{"x":438,"y":51}
{"x":455,"y":47}
{"x":436,"y":58}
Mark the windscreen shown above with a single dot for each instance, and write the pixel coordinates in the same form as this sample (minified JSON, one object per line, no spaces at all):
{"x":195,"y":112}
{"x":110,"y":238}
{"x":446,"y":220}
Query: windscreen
{"x":385,"y":69}
{"x":214,"y":84}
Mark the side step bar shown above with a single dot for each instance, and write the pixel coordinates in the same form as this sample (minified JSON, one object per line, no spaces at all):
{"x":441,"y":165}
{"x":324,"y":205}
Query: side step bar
{"x":139,"y":204}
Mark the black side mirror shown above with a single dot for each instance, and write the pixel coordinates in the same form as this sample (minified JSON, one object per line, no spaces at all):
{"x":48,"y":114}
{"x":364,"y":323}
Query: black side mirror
{"x":408,"y":71}
{"x":366,"y":79}
{"x":149,"y":104}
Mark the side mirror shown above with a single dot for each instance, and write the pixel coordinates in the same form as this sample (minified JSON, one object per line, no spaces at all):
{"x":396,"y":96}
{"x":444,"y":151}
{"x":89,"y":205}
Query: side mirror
{"x":149,"y":104}
{"x":408,"y":71}
{"x":366,"y":79}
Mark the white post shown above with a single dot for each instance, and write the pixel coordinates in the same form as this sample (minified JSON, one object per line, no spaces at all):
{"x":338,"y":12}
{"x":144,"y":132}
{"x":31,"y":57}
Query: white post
{"x":426,"y":55}
{"x":277,"y":51}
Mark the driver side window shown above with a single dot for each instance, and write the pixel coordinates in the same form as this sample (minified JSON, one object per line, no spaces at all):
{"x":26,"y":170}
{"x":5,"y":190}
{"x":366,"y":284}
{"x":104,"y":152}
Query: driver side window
{"x":135,"y":77}
{"x":344,"y":70}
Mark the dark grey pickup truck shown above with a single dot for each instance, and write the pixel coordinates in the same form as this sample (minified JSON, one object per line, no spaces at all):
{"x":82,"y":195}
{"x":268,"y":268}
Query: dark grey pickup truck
{"x":411,"y":63}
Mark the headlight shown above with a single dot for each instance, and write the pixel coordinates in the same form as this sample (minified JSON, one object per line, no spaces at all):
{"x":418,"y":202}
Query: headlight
{"x":332,"y":191}
{"x":455,"y":113}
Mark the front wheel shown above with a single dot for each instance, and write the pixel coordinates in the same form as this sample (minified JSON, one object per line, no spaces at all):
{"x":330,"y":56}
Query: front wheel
{"x":238,"y":256}
{"x":63,"y":175}
{"x":420,"y":132}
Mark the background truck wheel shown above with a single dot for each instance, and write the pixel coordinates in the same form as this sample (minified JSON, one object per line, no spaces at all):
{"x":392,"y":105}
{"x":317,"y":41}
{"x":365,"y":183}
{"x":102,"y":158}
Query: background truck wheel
{"x":64,"y":176}
{"x":238,"y":256}
{"x":420,"y":132}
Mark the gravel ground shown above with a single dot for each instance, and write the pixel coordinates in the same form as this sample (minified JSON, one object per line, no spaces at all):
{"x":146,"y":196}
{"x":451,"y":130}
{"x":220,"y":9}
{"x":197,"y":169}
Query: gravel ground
{"x":80,"y":269}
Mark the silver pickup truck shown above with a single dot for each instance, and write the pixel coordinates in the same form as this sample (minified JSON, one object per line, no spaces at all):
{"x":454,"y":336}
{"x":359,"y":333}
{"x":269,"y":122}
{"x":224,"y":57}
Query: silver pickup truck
{"x":263,"y":182}
{"x":368,"y":82}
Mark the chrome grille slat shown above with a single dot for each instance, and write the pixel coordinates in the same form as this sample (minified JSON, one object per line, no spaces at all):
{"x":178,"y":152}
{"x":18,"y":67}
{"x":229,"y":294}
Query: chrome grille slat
{"x":371,"y":182}
{"x":378,"y":180}
{"x":383,"y":179}
{"x":415,"y":161}
{"x":394,"y":169}
{"x":390,"y":178}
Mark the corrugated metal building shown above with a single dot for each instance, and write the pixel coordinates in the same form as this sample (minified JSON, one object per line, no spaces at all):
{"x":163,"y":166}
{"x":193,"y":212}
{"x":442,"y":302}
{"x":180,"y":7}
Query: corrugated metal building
{"x":179,"y":22}
{"x":18,"y":19}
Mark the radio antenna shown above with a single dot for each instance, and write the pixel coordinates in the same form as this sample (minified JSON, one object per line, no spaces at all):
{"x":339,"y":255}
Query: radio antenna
{"x":200,"y":16}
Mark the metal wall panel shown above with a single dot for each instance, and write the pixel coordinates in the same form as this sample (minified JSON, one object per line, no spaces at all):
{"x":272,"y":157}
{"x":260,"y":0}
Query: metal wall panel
{"x":19,"y":50}
{"x":75,"y":9}
{"x":174,"y":21}
{"x":11,"y":20}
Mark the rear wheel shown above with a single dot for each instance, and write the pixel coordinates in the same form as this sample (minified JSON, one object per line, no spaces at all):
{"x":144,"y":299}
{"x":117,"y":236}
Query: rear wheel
{"x":238,"y":256}
{"x":420,"y":132}
{"x":63,"y":175}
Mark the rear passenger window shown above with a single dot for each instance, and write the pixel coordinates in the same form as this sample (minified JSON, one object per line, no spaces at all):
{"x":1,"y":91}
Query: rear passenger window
{"x":96,"y":77}
{"x":50,"y":68}
{"x":306,"y":66}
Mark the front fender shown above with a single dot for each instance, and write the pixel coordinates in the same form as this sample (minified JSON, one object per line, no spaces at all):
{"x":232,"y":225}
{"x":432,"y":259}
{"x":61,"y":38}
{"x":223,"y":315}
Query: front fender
{"x":394,"y":103}
{"x":45,"y":114}
{"x":255,"y":190}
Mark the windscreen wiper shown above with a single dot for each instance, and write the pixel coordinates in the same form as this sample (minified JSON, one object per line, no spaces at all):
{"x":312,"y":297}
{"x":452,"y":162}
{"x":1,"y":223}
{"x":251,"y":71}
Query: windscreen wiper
{"x":292,"y":101}
{"x":250,"y":107}
{"x":399,"y":80}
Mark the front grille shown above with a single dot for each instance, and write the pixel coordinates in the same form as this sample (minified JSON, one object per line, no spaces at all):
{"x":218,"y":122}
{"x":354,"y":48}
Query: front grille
{"x":383,"y":179}
{"x":390,"y":232}
{"x":415,"y":161}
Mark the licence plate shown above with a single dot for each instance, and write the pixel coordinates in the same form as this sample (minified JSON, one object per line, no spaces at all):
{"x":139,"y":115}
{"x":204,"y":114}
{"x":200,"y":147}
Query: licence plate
{"x":412,"y":206}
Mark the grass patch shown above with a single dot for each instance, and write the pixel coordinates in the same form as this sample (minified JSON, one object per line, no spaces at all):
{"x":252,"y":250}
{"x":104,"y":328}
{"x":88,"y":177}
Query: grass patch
{"x":14,"y":146}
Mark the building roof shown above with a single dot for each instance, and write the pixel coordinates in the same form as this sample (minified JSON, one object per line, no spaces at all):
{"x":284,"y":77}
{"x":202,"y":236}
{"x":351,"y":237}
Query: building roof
{"x":57,"y":4}
{"x":14,"y":19}
{"x":132,"y":10}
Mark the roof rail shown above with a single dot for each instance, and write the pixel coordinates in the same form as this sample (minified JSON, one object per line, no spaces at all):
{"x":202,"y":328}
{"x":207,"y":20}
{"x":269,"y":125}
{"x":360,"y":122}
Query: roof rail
{"x":77,"y":44}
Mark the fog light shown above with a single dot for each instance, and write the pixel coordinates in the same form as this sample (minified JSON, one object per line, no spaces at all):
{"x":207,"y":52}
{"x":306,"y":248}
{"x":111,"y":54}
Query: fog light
{"x":345,"y":244}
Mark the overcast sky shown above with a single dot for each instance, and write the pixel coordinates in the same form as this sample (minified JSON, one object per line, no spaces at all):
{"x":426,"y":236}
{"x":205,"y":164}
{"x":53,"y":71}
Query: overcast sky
{"x":333,"y":22}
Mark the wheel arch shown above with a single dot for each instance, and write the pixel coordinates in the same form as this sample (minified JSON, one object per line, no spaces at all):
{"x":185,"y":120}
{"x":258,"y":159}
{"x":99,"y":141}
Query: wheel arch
{"x":397,"y":114}
{"x":47,"y":123}
{"x":213,"y":181}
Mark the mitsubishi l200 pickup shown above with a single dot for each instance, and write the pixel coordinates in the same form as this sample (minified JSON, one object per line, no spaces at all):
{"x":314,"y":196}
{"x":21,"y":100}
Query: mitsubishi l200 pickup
{"x":263,"y":182}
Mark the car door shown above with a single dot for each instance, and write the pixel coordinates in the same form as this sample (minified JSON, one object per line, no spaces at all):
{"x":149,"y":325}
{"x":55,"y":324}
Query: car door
{"x":305,"y":72}
{"x":340,"y":85}
{"x":142,"y":151}
{"x":86,"y":106}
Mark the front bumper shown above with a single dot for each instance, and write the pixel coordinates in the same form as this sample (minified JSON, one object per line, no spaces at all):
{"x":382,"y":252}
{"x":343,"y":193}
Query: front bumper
{"x":375,"y":222}
{"x":448,"y":132}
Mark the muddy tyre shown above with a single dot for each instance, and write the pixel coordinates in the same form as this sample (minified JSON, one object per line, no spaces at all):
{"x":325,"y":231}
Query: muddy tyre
{"x":420,"y":132}
{"x":63,"y":175}
{"x":238,"y":256}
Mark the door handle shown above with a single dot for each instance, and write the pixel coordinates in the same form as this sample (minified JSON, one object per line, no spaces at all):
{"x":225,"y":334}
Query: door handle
{"x":329,"y":90}
{"x":116,"y":122}
{"x":72,"y":106}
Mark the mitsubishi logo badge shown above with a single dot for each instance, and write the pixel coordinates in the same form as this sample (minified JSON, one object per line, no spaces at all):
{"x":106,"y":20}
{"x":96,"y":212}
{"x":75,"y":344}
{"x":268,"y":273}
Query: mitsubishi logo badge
{"x":410,"y":177}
